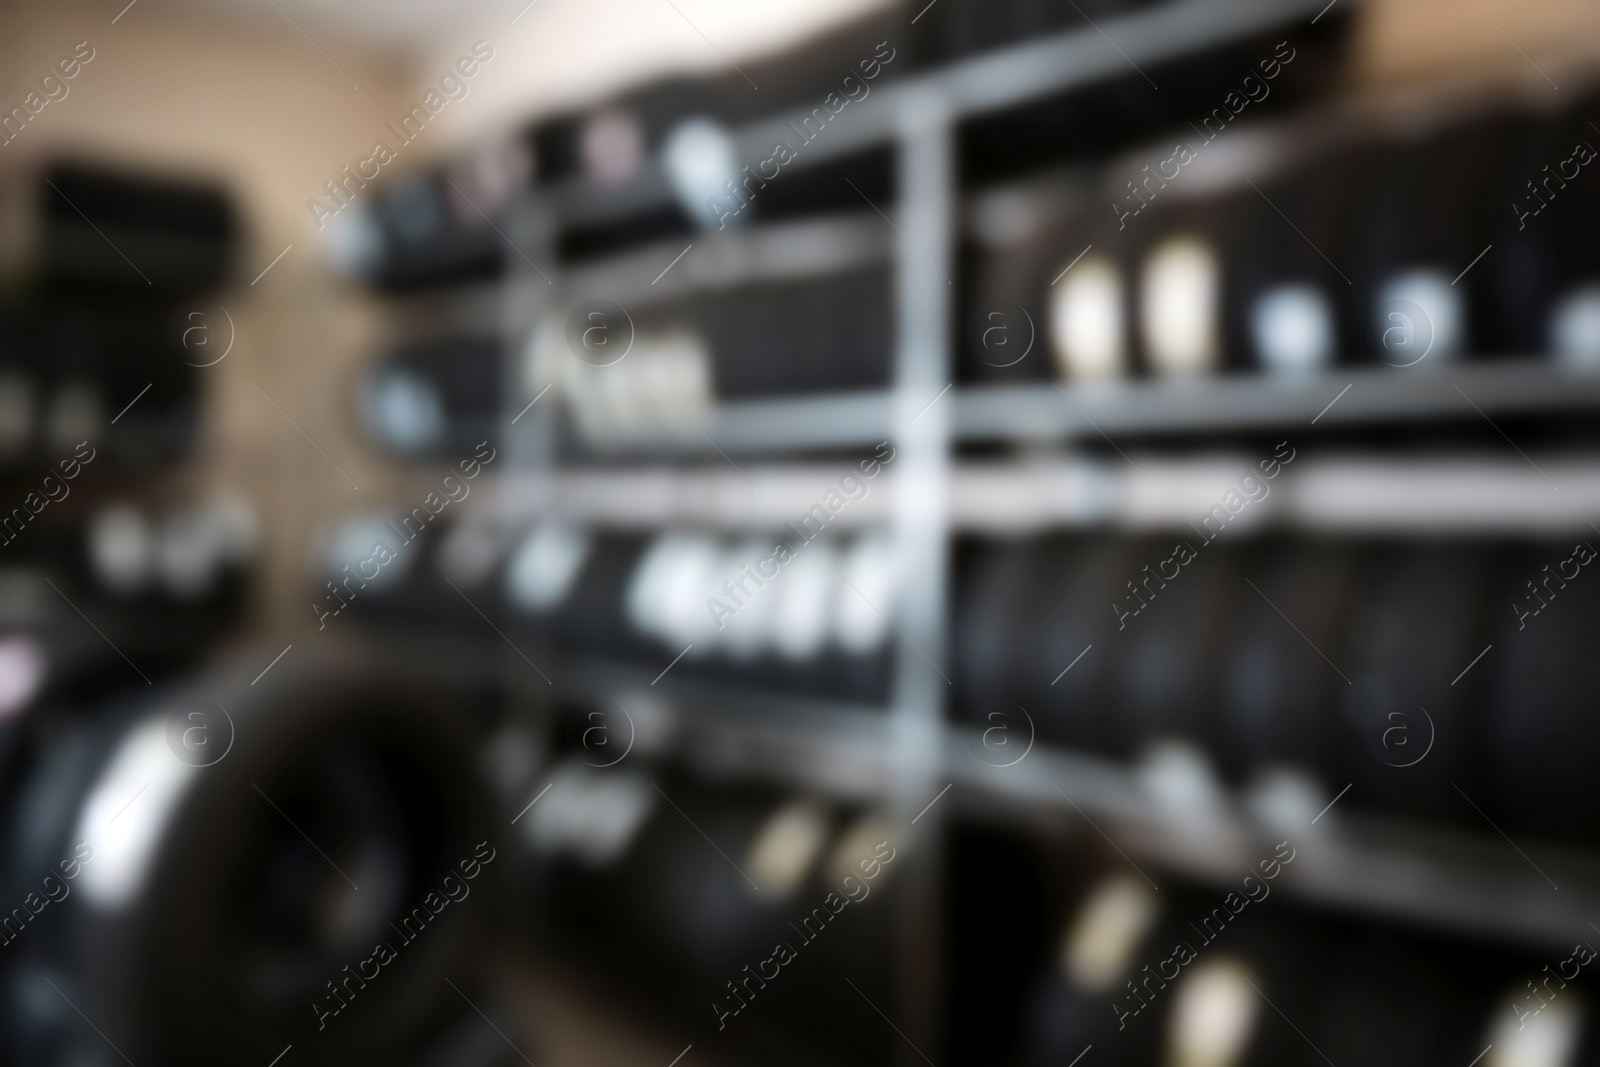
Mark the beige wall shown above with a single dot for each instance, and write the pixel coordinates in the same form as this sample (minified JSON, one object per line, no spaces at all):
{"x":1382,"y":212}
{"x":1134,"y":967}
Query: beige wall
{"x":567,"y":54}
{"x":1404,"y":42}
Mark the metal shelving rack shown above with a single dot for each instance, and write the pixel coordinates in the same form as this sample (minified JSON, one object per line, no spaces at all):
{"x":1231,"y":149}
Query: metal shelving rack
{"x":904,"y":753}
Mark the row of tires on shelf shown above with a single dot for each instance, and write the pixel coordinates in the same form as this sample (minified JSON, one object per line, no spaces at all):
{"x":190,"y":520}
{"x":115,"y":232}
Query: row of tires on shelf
{"x":117,"y":232}
{"x":180,"y":552}
{"x":423,"y":232}
{"x":1287,"y":257}
{"x":93,"y":348}
{"x":1419,"y":673}
{"x":818,"y":622}
{"x":688,"y":124}
{"x":116,"y":595}
{"x":1054,"y":952}
{"x":43,"y":418}
{"x":606,"y":146}
{"x":1415,"y":672}
{"x":117,"y":376}
{"x":680,"y":888}
{"x":623,"y":372}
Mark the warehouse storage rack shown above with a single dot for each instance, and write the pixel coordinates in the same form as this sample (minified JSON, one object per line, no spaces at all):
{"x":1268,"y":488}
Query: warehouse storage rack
{"x":905,"y":753}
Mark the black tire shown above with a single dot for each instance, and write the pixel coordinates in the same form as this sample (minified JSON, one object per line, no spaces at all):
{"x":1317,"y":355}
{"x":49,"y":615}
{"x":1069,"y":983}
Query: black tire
{"x":346,"y":768}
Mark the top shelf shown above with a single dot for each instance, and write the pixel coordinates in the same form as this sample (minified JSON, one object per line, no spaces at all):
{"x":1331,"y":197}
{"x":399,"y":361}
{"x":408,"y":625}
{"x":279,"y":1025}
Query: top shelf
{"x":977,"y":86}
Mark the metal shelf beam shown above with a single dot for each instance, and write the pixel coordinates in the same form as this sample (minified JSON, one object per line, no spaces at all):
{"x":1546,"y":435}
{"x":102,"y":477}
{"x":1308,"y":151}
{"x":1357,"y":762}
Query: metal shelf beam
{"x":1500,"y":386}
{"x":1530,"y":385}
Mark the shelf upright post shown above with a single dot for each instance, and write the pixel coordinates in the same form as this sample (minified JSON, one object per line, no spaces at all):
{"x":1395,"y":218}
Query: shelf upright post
{"x":528,"y":433}
{"x":924,"y":293}
{"x":530,"y":296}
